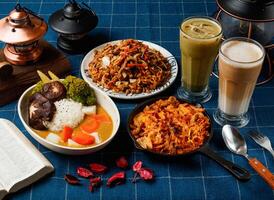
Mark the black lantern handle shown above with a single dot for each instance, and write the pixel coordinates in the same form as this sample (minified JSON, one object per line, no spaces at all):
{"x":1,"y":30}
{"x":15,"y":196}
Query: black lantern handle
{"x":33,"y":13}
{"x":18,"y":7}
{"x":72,"y":2}
{"x":89,"y":8}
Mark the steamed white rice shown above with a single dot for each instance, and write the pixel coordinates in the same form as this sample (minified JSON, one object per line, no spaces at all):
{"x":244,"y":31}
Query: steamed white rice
{"x":68,"y":112}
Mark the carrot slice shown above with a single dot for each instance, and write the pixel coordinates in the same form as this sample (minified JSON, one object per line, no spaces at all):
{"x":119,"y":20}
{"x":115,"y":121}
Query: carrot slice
{"x":90,"y":117}
{"x":135,"y":65}
{"x":83,"y":138}
{"x":90,"y":126}
{"x":66,"y":133}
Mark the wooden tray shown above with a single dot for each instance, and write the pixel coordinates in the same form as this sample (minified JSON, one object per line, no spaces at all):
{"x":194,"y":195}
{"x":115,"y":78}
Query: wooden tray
{"x":25,"y":76}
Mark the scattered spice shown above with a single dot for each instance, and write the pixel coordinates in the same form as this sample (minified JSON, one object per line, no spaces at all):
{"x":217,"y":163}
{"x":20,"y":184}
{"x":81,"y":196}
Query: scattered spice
{"x":122,"y":162}
{"x":90,"y":188}
{"x":145,"y":173}
{"x":72,"y":179}
{"x":98,"y":168}
{"x":83,"y":172}
{"x":116,"y":179}
{"x":134,"y":177}
{"x":94,"y":182}
{"x":137,"y":166}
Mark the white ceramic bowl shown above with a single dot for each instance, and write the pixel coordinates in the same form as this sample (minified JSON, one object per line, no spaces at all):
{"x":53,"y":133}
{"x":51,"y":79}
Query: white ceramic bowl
{"x":104,"y":100}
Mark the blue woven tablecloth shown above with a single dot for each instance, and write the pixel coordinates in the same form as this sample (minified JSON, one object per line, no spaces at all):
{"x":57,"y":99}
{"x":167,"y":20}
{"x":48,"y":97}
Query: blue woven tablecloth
{"x":194,"y":177}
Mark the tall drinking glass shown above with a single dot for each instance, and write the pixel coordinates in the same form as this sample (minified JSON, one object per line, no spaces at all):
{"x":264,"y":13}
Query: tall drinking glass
{"x":240,"y":63}
{"x":200,"y":38}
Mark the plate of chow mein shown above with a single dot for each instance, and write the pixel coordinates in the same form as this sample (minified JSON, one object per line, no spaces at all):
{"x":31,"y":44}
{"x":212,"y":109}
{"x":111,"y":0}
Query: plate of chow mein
{"x":129,"y":69}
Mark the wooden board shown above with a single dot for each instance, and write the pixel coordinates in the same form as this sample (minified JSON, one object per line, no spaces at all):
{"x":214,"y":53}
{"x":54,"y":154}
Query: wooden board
{"x":25,"y":76}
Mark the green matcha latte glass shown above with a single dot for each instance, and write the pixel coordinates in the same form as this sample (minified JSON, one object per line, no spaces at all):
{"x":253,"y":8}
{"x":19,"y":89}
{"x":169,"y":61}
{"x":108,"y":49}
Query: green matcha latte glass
{"x":200,"y":38}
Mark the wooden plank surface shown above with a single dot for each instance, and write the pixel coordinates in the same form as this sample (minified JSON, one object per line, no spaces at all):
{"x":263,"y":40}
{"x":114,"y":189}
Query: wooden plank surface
{"x":25,"y":76}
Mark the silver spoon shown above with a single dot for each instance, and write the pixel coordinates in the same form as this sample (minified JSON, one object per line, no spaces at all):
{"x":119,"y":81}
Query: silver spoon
{"x":236,"y":144}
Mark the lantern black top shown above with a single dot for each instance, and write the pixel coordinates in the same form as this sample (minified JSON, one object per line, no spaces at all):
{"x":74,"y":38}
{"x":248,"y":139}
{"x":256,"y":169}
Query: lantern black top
{"x":73,"y":19}
{"x":250,"y":10}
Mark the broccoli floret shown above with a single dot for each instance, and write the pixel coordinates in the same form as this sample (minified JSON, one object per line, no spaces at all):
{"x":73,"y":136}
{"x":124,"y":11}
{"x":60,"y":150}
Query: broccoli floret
{"x":38,"y":87}
{"x":91,"y":100}
{"x":79,"y":90}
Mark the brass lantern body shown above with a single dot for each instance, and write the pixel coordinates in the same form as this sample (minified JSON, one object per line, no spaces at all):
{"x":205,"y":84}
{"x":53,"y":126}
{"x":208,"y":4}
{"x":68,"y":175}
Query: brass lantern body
{"x":21,"y":31}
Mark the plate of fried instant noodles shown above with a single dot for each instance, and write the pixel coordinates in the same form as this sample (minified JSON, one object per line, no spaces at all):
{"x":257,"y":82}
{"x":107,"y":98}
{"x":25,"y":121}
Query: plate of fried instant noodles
{"x":129,"y":69}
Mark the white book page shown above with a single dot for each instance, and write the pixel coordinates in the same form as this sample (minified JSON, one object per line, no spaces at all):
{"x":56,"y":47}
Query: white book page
{"x":19,"y":159}
{"x":1,"y":187}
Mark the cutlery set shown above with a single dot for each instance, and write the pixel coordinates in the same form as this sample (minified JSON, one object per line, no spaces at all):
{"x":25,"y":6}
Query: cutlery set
{"x":235,"y":142}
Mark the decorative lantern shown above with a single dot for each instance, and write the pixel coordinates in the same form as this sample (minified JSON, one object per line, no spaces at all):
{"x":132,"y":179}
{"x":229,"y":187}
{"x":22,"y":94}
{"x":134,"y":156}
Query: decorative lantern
{"x":252,"y":19}
{"x":73,"y":23}
{"x":21,"y":31}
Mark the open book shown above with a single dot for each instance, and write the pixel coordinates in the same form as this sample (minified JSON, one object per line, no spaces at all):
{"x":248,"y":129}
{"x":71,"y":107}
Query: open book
{"x":21,"y":163}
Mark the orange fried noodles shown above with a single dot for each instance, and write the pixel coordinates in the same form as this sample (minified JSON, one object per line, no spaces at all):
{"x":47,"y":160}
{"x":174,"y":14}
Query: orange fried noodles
{"x":129,"y":67}
{"x":170,"y":127}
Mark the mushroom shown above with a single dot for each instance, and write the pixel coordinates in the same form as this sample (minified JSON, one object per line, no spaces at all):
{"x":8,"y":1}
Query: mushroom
{"x":40,"y":110}
{"x":54,"y":91}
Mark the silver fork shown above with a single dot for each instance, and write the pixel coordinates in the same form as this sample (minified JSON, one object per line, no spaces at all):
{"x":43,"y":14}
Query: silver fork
{"x":262,"y":140}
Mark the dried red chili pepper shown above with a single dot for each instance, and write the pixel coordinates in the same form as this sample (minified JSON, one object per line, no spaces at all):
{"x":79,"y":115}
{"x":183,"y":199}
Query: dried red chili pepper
{"x":122,"y":162}
{"x":94,"y":182}
{"x":116,"y":179}
{"x":137,"y":166}
{"x":90,"y":188}
{"x":134,"y":177}
{"x":72,"y":179}
{"x":97,"y":168}
{"x":146,"y":174}
{"x":83,"y":172}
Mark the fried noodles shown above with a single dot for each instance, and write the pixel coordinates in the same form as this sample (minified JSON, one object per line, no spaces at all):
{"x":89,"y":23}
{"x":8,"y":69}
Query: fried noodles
{"x":170,"y":127}
{"x":129,"y":67}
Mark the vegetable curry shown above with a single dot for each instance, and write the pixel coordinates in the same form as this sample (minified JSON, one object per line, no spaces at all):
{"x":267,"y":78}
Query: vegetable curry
{"x":100,"y":123}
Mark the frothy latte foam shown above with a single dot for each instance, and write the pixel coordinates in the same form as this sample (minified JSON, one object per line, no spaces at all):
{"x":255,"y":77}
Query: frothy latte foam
{"x":240,"y":51}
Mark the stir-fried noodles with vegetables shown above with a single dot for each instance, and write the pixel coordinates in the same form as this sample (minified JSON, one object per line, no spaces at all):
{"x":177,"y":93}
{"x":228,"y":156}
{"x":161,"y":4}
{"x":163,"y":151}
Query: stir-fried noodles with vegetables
{"x":170,"y":127}
{"x":129,"y":67}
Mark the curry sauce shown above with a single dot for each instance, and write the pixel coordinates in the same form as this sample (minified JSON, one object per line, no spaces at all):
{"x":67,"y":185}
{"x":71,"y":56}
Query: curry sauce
{"x":104,"y":130}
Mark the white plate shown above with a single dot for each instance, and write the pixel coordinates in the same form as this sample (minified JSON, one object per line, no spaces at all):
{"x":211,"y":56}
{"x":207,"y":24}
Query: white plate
{"x":171,"y":59}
